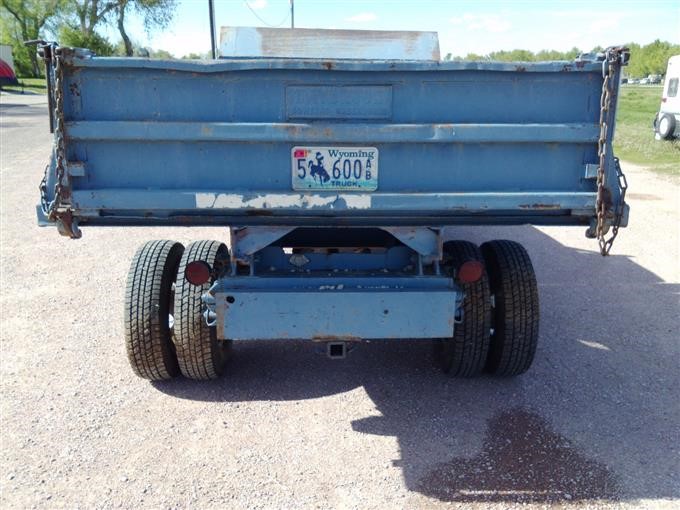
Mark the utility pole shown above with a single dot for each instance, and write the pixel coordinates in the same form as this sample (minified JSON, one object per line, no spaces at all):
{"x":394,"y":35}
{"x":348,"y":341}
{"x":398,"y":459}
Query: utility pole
{"x":292,"y":13}
{"x":211,"y":12}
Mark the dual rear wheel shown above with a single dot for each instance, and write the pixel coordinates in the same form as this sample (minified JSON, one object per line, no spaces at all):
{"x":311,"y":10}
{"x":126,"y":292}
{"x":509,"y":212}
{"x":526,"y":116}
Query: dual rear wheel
{"x":165,"y":332}
{"x":497,"y":331}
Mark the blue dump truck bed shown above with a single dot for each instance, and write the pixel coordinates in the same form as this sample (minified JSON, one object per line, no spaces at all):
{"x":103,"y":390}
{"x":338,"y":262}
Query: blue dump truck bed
{"x":335,"y":178}
{"x":196,"y":143}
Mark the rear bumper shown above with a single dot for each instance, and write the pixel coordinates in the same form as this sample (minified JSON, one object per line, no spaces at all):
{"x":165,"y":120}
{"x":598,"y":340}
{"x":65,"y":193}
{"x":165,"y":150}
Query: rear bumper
{"x":194,"y":208}
{"x":336,"y":308}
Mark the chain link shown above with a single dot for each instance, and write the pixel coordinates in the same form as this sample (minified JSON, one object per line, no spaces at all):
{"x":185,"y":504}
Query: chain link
{"x":58,"y":210}
{"x":604,"y":199}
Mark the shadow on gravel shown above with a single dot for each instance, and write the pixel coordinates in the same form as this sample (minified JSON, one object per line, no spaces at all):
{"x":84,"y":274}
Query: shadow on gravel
{"x":595,"y":419}
{"x":14,"y":111}
{"x":23,"y":110}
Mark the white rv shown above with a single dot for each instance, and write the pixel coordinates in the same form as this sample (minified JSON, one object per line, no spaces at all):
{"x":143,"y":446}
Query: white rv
{"x":667,"y":121}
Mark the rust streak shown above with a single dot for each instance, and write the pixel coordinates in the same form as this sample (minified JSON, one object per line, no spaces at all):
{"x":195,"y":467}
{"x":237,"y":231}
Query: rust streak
{"x":293,"y":130}
{"x":334,"y":338}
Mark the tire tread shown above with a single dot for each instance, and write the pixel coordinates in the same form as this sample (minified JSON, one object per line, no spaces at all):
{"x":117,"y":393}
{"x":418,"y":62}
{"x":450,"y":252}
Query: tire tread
{"x":465,"y":353}
{"x":147,"y":335}
{"x":196,"y":343}
{"x":517,"y":314}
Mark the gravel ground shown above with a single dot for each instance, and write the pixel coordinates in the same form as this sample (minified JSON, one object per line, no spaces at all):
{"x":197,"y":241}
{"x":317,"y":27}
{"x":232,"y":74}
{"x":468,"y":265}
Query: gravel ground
{"x":595,"y":422}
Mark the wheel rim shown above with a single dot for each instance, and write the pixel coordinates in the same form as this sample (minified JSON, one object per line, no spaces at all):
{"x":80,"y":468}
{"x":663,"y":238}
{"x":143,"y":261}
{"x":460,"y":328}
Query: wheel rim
{"x":664,"y":124}
{"x":171,"y":309}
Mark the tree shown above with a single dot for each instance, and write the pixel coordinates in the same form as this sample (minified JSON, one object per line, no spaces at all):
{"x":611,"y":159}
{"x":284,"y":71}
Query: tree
{"x":87,"y":15}
{"x":651,"y":58}
{"x":161,"y":54}
{"x":155,"y":13}
{"x":644,"y":60}
{"x":196,"y":56}
{"x":513,"y":56}
{"x":24,"y":20}
{"x":79,"y":22}
{"x":474,"y":57}
{"x":70,"y":36}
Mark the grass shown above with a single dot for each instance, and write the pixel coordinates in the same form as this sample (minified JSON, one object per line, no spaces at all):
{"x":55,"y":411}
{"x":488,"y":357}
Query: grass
{"x":634,"y":138}
{"x":34,"y":85}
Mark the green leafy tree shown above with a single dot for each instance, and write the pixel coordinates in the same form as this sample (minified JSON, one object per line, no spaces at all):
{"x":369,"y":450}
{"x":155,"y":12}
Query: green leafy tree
{"x":513,"y":56}
{"x":572,"y":54}
{"x":70,"y":36}
{"x":157,"y":14}
{"x":195,"y":56}
{"x":151,"y":53}
{"x":546,"y":55}
{"x":644,"y":60}
{"x":87,"y":15}
{"x":651,"y":58}
{"x":474,"y":57}
{"x":162,"y":54}
{"x":24,"y":20}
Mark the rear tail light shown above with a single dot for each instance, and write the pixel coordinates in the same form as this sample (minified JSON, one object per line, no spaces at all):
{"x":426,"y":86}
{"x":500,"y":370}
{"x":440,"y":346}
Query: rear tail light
{"x":470,"y":271}
{"x":198,"y":272}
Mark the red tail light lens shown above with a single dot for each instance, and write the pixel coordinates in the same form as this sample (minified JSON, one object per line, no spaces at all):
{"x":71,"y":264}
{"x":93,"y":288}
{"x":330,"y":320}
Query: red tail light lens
{"x":470,"y":271}
{"x":197,"y":272}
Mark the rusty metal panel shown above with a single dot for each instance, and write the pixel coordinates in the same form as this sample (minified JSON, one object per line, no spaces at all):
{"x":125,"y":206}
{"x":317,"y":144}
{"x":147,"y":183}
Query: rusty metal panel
{"x":331,"y":44}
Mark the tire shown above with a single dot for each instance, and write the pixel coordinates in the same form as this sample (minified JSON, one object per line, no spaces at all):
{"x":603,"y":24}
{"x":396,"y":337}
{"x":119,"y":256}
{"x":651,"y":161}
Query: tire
{"x":148,"y":306}
{"x":466,"y":352}
{"x":665,"y":126}
{"x":200,"y":355}
{"x":515,"y":315}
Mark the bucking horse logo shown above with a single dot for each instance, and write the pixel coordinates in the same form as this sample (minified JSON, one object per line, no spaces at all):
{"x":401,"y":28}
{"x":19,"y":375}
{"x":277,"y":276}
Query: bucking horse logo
{"x":318,"y":169}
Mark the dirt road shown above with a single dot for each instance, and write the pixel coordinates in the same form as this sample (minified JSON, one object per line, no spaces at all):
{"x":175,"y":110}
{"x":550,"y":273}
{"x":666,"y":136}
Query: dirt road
{"x":596,"y":421}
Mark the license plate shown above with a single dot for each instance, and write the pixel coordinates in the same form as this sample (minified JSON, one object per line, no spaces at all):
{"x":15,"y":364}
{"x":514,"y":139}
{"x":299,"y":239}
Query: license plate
{"x":335,"y":168}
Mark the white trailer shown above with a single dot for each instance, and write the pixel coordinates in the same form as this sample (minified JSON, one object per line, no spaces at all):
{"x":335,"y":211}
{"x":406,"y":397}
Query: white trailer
{"x":6,"y":55}
{"x":667,"y":121}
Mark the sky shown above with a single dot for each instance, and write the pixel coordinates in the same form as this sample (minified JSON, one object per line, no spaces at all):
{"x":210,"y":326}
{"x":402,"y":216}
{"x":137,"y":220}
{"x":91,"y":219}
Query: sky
{"x":475,"y":26}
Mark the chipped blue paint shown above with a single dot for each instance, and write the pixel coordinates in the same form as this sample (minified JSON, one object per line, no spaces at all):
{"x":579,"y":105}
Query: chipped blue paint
{"x":195,"y":142}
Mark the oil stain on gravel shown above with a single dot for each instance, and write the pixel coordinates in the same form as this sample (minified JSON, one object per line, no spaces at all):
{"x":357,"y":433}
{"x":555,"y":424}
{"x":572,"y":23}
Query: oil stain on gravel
{"x":522,"y":461}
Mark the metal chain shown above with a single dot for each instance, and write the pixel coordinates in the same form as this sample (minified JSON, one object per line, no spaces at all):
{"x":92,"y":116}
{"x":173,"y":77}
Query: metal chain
{"x":623,"y":186}
{"x":60,"y":147}
{"x":57,"y":210}
{"x":44,"y":202}
{"x":603,"y":202}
